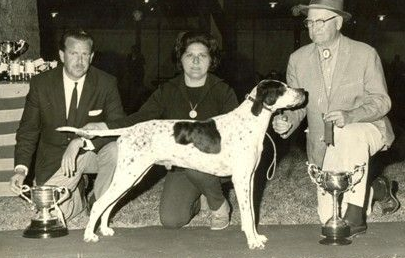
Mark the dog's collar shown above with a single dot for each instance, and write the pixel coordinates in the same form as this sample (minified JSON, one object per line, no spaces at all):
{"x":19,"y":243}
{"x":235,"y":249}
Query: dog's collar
{"x":269,"y":108}
{"x":248,"y":97}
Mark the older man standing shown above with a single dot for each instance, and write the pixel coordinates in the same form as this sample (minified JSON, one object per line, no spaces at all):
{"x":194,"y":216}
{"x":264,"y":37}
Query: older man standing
{"x":347,"y":94}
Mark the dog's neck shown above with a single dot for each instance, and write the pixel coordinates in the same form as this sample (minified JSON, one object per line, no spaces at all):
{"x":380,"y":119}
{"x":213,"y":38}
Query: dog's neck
{"x":258,"y":123}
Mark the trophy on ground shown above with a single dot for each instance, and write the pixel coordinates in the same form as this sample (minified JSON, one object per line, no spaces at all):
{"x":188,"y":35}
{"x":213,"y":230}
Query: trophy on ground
{"x":44,"y":199}
{"x":335,"y":230}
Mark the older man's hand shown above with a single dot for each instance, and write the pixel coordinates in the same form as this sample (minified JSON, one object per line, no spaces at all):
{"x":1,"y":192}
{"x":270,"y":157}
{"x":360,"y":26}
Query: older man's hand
{"x":281,"y":125}
{"x":340,"y":118}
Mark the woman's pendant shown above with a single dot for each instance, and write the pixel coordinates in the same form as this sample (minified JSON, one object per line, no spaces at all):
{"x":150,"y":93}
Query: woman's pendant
{"x":192,"y":114}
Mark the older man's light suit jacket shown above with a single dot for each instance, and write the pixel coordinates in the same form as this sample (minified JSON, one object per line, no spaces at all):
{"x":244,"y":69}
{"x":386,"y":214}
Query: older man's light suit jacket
{"x":358,"y":86}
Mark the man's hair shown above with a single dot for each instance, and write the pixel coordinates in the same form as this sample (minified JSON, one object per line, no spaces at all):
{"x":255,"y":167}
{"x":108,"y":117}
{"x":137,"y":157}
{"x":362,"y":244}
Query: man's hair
{"x":186,"y":39}
{"x":78,"y":34}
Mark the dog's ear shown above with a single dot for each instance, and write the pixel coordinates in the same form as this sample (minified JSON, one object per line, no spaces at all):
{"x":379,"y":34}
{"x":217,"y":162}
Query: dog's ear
{"x":261,"y":93}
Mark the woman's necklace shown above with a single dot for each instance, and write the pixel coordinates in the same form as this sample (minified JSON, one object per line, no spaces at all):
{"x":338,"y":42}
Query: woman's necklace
{"x":193,"y":113}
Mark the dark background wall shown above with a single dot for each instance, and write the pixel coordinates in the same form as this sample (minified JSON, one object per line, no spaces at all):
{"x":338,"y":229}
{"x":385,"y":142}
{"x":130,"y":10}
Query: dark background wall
{"x":256,"y":39}
{"x":19,"y":20}
{"x":258,"y":53}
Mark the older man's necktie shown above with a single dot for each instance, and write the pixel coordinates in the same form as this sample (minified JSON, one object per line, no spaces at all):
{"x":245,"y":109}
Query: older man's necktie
{"x":73,"y":108}
{"x":326,"y":59}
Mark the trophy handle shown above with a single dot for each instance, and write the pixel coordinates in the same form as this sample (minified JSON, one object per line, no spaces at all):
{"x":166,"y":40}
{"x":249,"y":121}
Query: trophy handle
{"x":354,"y":180}
{"x":65,"y":194}
{"x":314,"y":173}
{"x":24,"y":189}
{"x":19,"y":45}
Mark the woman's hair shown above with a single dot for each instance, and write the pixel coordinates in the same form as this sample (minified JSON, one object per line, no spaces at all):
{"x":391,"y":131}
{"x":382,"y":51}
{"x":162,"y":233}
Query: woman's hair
{"x":186,"y":39}
{"x":78,"y":34}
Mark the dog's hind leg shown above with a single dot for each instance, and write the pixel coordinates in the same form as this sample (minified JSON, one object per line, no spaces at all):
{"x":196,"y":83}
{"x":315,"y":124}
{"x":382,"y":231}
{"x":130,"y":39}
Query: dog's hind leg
{"x":120,"y":184}
{"x":105,"y":230}
{"x":243,"y":183}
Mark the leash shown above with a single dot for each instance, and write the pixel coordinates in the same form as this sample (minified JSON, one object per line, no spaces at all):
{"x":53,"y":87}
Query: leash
{"x":273,"y":162}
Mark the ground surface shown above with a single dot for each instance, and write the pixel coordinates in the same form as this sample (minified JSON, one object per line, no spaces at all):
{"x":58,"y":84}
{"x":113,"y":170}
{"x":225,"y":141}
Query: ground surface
{"x":285,"y":241}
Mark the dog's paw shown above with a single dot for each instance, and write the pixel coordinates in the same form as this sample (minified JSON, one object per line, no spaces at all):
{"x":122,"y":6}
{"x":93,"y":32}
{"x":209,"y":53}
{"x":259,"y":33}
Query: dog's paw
{"x":90,"y":237}
{"x":257,"y":242}
{"x":262,"y":238}
{"x":107,"y":231}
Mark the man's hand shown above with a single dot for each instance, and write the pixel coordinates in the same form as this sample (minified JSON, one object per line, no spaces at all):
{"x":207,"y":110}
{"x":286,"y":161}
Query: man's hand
{"x":281,"y":125}
{"x":340,"y":118}
{"x":68,"y":165}
{"x":91,"y":126}
{"x":17,"y":180}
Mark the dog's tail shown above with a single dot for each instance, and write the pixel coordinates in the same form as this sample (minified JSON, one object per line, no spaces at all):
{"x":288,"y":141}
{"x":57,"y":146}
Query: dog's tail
{"x":91,"y":133}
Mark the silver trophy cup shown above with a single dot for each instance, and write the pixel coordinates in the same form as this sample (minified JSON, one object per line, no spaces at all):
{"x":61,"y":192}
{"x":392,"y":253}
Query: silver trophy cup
{"x":44,"y":199}
{"x":335,"y":230}
{"x":10,"y":50}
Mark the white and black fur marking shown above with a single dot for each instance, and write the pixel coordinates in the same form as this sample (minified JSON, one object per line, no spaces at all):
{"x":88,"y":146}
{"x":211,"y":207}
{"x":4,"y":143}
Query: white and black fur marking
{"x":203,"y":135}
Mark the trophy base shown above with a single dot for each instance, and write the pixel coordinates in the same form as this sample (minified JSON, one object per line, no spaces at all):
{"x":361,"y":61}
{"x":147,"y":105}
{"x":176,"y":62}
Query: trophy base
{"x":336,"y":235}
{"x":335,"y":241}
{"x":45,"y":229}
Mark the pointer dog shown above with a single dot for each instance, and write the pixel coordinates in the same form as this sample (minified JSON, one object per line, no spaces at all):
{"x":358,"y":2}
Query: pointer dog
{"x":226,"y":145}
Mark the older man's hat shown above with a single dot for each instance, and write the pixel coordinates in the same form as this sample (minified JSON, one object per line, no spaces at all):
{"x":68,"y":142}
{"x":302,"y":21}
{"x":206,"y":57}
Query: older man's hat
{"x":331,"y":5}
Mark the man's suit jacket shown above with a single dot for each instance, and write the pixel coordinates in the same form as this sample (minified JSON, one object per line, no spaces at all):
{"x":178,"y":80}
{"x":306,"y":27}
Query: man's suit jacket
{"x":358,"y":86}
{"x":45,"y":110}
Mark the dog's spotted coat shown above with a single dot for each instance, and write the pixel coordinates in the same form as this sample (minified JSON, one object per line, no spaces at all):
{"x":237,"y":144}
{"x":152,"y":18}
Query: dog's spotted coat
{"x":241,"y":134}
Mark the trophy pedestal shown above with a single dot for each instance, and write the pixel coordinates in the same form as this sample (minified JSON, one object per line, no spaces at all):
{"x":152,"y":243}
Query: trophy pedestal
{"x":336,"y":234}
{"x":45,"y":229}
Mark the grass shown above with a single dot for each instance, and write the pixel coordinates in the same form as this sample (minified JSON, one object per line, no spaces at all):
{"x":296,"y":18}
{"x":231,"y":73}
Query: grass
{"x":290,"y":198}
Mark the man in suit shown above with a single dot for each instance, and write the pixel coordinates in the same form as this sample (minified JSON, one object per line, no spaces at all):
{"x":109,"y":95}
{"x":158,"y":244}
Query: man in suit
{"x":74,"y":95}
{"x":348,"y":94}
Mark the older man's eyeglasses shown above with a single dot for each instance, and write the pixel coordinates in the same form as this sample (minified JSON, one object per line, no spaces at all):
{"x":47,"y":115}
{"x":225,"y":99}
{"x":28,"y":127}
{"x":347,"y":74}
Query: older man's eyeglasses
{"x":319,"y":23}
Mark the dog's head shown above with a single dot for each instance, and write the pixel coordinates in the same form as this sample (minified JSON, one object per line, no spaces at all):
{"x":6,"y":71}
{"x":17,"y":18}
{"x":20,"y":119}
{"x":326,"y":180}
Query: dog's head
{"x":273,"y":95}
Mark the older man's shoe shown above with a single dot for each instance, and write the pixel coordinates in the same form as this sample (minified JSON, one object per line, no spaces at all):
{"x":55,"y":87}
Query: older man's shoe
{"x":356,"y":230}
{"x":220,"y":217}
{"x":387,"y":200}
{"x":355,"y":218}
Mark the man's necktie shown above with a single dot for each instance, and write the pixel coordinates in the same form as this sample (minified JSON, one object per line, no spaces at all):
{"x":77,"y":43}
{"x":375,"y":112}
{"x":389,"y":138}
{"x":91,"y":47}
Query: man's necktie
{"x":73,"y":108}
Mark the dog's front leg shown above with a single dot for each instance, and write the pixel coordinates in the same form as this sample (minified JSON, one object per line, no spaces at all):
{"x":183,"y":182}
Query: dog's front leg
{"x":243,"y":183}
